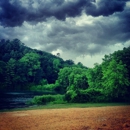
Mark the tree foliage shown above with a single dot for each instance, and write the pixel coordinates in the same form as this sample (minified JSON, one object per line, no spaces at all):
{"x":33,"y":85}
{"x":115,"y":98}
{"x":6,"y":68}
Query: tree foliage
{"x":23,"y":68}
{"x":115,"y":79}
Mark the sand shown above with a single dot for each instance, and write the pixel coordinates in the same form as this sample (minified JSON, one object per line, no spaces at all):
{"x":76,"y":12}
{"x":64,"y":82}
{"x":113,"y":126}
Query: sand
{"x":96,"y":118}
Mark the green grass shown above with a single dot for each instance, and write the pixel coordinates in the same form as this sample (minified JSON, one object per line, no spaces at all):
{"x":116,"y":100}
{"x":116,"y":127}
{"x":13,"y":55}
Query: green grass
{"x":65,"y":106}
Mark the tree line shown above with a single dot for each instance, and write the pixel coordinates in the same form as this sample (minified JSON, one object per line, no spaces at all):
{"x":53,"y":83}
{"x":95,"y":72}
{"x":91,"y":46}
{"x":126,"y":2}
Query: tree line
{"x":23,"y":68}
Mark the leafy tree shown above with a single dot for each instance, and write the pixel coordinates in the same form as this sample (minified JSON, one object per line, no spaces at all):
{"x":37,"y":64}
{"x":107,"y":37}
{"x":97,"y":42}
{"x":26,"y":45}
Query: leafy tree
{"x":56,"y":64}
{"x":31,"y":65}
{"x":72,"y":76}
{"x":115,"y":80}
{"x":78,"y":79}
{"x":72,"y":80}
{"x":94,"y":76}
{"x":124,"y":56}
{"x":11,"y":78}
{"x":63,"y":77}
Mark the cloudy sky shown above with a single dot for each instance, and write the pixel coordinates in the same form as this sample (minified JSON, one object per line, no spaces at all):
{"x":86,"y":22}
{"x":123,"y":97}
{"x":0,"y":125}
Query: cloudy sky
{"x":81,"y":30}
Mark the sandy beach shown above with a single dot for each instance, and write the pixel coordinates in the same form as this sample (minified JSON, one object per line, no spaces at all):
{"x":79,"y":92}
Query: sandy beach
{"x":96,"y":118}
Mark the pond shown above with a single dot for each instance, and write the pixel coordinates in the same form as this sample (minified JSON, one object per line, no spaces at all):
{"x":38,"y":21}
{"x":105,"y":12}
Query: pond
{"x":10,"y":100}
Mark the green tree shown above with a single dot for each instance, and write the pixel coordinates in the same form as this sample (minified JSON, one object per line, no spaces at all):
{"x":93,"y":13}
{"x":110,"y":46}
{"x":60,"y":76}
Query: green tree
{"x":72,"y":80}
{"x":115,"y":80}
{"x":94,"y":76}
{"x":31,"y":65}
{"x":56,"y":65}
{"x":78,"y":79}
{"x":11,"y":78}
{"x":63,"y":77}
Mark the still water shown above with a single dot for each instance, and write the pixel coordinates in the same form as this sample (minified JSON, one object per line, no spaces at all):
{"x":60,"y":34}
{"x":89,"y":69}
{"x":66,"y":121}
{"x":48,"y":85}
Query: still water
{"x":10,"y":100}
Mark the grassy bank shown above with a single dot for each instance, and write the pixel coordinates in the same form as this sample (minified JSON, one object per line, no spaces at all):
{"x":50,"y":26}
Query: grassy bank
{"x":67,"y":105}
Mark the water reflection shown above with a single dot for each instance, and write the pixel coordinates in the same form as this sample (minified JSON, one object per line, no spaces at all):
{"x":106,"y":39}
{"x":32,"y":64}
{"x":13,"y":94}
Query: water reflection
{"x":9,"y":100}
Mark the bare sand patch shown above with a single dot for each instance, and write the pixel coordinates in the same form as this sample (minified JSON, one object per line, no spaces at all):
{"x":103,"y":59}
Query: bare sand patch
{"x":98,"y":118}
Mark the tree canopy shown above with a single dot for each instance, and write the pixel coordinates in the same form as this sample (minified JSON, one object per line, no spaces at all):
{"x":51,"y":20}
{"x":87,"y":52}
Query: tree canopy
{"x":23,"y":68}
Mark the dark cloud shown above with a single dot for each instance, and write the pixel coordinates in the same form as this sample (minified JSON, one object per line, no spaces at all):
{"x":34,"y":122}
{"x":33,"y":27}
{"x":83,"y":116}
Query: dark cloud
{"x":68,"y":36}
{"x":82,"y":35}
{"x":125,"y":21}
{"x":102,"y":32}
{"x":15,"y":12}
{"x":105,"y":7}
{"x":11,"y":14}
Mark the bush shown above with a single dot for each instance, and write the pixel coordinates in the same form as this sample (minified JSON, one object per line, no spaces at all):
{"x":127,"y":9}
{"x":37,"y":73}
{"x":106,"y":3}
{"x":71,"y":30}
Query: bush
{"x":55,"y":99}
{"x":38,"y":100}
{"x":83,"y":96}
{"x":95,"y":95}
{"x":59,"y":99}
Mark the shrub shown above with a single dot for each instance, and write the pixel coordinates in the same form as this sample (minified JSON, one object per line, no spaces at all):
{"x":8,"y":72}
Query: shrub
{"x":95,"y":95}
{"x":83,"y":96}
{"x":59,"y":99}
{"x":39,"y":100}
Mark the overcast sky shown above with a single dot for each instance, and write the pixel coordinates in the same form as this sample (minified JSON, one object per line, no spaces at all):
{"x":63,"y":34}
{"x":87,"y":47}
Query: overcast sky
{"x":81,"y":30}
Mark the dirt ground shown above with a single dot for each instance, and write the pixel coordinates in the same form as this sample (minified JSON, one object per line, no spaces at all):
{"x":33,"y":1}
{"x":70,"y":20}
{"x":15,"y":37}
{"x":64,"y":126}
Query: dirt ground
{"x":98,"y":118}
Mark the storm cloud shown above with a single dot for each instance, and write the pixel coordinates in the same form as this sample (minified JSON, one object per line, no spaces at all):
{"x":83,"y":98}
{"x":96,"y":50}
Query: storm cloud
{"x":15,"y":12}
{"x":82,"y":30}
